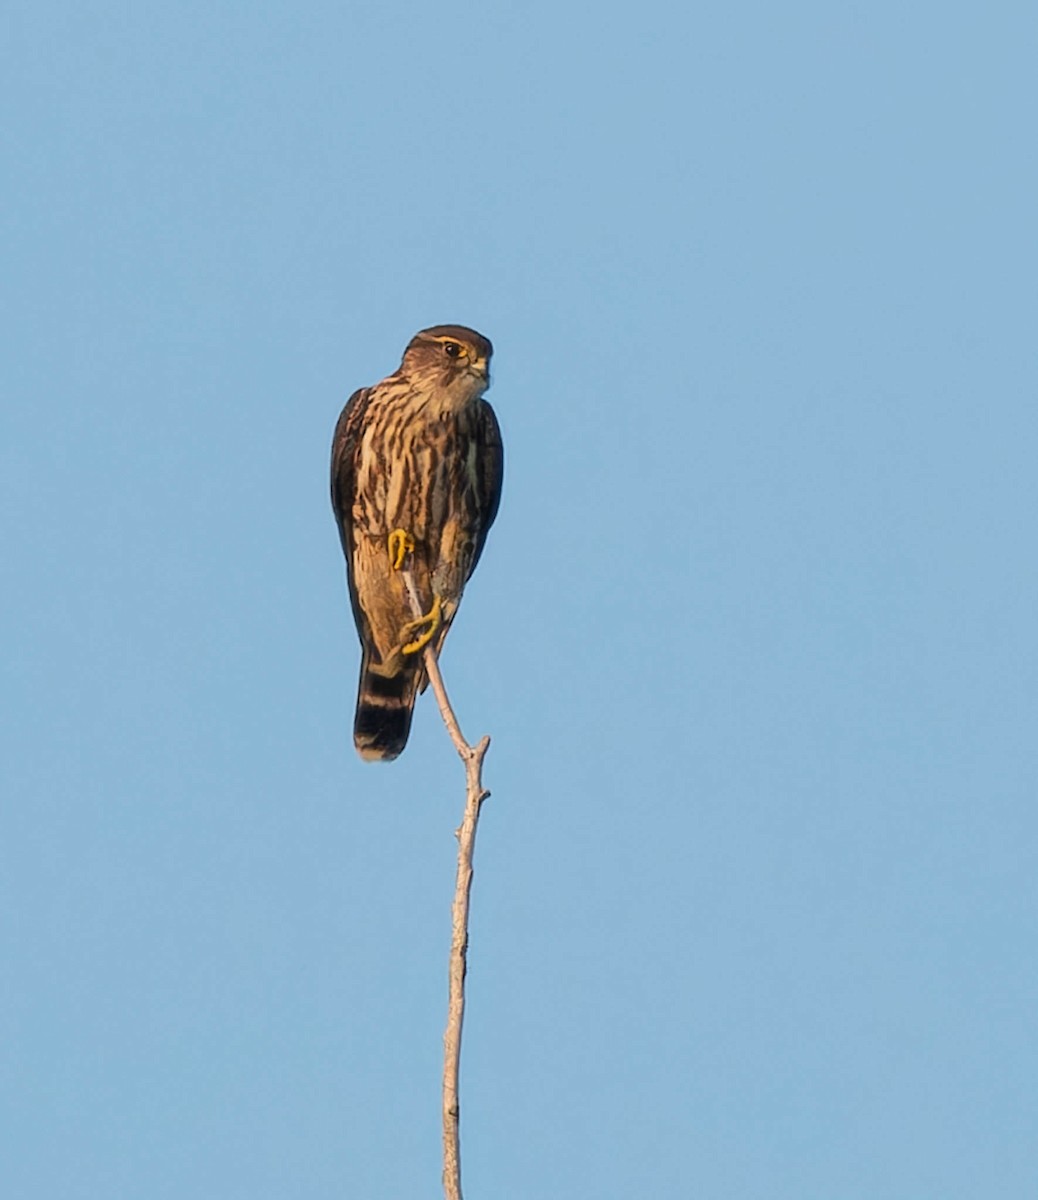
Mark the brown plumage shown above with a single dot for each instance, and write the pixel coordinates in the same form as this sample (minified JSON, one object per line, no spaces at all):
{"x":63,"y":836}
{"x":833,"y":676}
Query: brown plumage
{"x":417,"y":454}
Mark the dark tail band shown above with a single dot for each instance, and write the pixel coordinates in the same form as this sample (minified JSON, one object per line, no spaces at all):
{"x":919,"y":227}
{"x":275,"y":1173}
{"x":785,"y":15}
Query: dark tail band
{"x":384,"y":707}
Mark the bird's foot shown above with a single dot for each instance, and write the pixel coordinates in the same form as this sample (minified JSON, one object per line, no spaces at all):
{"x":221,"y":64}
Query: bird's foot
{"x":429,"y":624}
{"x":401,"y":544}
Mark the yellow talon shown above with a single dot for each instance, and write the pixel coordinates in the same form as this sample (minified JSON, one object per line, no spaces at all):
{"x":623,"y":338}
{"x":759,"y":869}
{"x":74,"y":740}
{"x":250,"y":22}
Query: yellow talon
{"x":401,"y":544}
{"x":433,"y":618}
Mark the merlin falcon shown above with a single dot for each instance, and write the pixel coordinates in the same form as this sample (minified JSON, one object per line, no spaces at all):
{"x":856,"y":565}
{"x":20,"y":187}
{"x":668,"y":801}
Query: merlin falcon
{"x":416,"y":480}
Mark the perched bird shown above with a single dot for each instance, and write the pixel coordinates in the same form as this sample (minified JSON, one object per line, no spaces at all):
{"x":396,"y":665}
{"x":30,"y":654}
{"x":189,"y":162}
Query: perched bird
{"x":416,"y":480}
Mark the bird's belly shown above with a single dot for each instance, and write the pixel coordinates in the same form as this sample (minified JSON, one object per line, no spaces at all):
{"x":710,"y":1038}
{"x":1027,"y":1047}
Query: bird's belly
{"x":417,"y":481}
{"x":406,"y":482}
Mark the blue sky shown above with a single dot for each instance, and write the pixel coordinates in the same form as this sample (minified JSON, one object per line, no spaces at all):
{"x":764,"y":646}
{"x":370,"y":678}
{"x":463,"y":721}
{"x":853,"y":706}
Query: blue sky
{"x":754,"y":635}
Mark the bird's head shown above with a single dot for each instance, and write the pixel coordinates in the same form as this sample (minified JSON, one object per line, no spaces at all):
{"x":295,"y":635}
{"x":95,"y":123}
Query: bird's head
{"x":458,"y":358}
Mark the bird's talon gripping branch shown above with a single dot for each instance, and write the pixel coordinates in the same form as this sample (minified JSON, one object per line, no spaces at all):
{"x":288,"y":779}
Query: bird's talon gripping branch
{"x":433,"y":619}
{"x":401,"y":544}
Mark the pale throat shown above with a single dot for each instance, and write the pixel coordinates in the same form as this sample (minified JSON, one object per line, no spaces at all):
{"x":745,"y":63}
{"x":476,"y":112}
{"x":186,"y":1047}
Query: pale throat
{"x":455,"y":395}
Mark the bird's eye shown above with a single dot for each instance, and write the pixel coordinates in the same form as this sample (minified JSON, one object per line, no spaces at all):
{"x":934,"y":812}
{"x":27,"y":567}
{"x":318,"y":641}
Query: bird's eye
{"x":451,"y":349}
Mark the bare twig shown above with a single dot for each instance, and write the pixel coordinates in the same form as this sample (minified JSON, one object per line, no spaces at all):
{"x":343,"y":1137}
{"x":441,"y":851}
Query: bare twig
{"x":475,"y":794}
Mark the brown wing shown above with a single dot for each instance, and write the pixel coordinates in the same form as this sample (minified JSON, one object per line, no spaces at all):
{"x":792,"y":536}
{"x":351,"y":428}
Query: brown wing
{"x":490,"y":469}
{"x":344,"y":445}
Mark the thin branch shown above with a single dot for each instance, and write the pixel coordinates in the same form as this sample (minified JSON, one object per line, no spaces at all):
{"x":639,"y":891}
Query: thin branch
{"x":475,"y":794}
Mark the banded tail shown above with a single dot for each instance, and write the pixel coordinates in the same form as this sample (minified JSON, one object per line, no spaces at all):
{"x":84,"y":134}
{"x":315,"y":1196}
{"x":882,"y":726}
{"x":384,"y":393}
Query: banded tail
{"x":384,"y":707}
